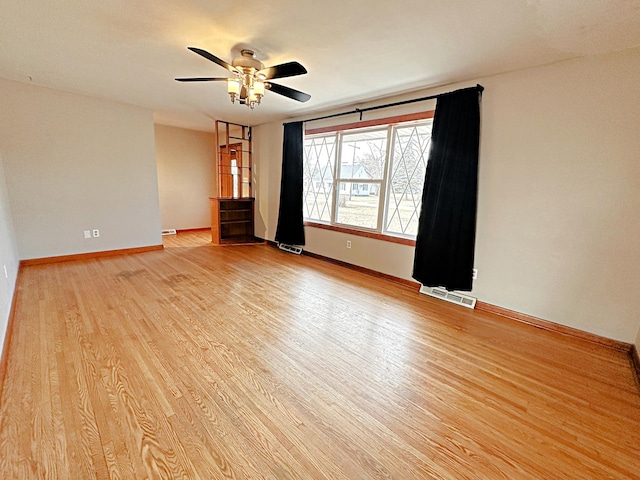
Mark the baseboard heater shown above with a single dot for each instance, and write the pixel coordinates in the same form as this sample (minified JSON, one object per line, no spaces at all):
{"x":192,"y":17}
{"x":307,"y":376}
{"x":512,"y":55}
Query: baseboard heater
{"x":446,"y":295}
{"x":170,"y":231}
{"x":290,"y":248}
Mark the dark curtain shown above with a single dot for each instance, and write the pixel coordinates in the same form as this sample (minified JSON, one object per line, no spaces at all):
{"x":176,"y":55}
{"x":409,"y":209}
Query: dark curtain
{"x":445,"y":241}
{"x":290,"y":228}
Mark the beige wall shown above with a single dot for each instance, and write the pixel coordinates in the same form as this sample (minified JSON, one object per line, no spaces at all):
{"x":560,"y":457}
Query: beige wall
{"x":186,"y":177}
{"x":8,"y":256}
{"x":558,"y":197}
{"x":76,"y":163}
{"x":267,"y":149}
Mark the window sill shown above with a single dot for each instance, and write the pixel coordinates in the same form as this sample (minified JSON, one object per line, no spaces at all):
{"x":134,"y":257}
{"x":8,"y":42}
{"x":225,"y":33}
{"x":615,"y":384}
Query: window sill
{"x":362,"y":233}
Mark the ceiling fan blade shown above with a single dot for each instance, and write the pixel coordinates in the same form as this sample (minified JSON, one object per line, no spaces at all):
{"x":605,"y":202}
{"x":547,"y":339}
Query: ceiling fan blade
{"x":290,"y":69}
{"x":288,"y":92}
{"x":203,"y":79}
{"x":213,"y":58}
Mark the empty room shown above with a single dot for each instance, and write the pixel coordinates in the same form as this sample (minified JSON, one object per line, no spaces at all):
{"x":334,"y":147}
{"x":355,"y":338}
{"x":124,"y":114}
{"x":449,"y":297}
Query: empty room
{"x":320,"y":240}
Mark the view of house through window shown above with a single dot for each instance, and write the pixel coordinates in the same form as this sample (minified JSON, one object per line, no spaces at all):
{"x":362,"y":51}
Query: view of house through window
{"x":367,"y":178}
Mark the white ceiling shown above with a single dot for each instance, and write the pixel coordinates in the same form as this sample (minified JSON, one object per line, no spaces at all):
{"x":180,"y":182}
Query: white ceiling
{"x":131,"y":50}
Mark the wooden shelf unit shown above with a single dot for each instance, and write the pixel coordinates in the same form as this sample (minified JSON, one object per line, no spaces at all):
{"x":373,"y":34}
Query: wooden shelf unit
{"x":232,"y":220}
{"x":232,"y":211}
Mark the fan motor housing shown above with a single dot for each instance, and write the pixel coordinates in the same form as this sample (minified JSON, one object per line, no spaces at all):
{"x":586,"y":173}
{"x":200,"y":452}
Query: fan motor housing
{"x":247,"y":60}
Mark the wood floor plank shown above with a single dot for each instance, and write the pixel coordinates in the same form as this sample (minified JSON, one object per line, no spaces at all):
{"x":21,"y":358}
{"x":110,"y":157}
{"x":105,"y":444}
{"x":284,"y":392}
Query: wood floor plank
{"x":244,"y":362}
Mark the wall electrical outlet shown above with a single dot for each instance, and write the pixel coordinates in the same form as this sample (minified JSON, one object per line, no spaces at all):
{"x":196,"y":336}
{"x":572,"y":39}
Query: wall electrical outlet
{"x":96,"y":233}
{"x":348,"y":243}
{"x":87,"y":234}
{"x":474,"y":273}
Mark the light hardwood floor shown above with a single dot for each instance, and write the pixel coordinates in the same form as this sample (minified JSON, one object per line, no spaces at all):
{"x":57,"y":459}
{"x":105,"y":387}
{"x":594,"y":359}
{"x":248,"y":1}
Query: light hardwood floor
{"x":246,"y":362}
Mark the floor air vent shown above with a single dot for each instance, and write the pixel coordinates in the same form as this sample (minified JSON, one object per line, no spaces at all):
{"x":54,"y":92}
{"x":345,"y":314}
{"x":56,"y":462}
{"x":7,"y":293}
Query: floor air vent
{"x":170,"y":231}
{"x":290,"y":248}
{"x":453,"y":297}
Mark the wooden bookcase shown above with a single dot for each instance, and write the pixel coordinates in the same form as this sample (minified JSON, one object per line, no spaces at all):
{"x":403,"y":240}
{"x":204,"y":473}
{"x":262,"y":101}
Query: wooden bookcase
{"x":232,"y":220}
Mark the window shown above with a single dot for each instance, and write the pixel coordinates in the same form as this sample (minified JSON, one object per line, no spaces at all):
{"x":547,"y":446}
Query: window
{"x":361,"y":170}
{"x":368,"y":177}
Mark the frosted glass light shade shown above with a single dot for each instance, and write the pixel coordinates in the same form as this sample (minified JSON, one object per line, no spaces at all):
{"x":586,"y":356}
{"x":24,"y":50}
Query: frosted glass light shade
{"x":233,"y":86}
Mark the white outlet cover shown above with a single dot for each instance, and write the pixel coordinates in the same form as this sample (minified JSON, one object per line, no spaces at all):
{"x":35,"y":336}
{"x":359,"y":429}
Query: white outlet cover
{"x":87,"y":234}
{"x":96,"y":233}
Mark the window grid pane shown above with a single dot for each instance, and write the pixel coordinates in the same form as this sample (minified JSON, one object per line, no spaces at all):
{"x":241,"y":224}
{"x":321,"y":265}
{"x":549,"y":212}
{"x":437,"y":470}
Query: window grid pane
{"x":410,"y":150}
{"x":356,"y":207}
{"x":363,"y":155}
{"x":319,"y":157}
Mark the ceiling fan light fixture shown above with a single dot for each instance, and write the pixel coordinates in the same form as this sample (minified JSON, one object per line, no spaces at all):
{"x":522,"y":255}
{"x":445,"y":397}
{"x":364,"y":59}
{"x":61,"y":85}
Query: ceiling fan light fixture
{"x":249,"y":90}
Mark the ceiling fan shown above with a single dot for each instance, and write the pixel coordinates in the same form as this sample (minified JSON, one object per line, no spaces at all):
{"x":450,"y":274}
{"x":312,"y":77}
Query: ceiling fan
{"x":250,"y":77}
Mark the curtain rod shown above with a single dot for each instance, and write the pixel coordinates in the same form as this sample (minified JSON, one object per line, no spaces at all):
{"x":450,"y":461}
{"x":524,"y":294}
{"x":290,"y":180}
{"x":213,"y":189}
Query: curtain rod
{"x":479,"y":87}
